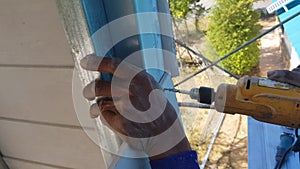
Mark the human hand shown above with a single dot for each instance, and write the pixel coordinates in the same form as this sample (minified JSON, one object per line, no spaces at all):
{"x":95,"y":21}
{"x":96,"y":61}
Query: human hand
{"x":286,"y":76}
{"x":133,"y":105}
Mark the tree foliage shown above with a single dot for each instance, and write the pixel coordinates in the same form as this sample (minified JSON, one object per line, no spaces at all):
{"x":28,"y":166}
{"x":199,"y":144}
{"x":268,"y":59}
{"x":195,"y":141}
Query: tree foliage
{"x":180,"y":8}
{"x":232,"y":23}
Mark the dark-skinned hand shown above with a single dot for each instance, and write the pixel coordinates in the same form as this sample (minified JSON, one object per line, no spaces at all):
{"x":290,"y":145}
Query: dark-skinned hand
{"x":286,"y":76}
{"x":134,"y":107}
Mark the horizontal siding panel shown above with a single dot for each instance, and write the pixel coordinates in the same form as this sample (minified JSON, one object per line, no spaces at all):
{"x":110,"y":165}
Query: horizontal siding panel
{"x":43,"y":95}
{"x":18,"y":164}
{"x":57,"y":146}
{"x":32,"y":34}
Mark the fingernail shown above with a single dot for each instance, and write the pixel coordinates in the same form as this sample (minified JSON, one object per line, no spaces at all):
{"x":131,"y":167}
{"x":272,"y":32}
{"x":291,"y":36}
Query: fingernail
{"x":91,"y":62}
{"x":94,"y":111}
{"x":84,"y":62}
{"x":89,"y":91}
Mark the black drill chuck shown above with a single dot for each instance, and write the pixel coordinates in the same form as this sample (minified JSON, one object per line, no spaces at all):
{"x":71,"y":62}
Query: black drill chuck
{"x":203,"y":95}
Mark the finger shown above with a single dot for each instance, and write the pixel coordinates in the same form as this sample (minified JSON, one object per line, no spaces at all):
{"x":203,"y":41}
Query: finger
{"x":285,"y":76}
{"x":103,"y":88}
{"x":98,"y":63}
{"x":110,"y":116}
{"x":104,"y":102}
{"x":97,"y":88}
{"x":108,"y":65}
{"x":95,"y":112}
{"x":97,"y":108}
{"x":297,"y":69}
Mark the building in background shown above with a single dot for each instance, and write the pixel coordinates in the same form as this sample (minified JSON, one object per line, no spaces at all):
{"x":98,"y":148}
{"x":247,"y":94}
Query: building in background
{"x":291,"y":31}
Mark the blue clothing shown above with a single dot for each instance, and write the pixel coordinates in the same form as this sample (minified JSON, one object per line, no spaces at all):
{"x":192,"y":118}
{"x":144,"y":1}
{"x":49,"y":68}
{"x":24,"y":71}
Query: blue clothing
{"x":186,"y":160}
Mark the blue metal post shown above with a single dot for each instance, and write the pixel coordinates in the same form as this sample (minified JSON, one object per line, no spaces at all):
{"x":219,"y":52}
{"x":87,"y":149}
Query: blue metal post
{"x":101,"y":12}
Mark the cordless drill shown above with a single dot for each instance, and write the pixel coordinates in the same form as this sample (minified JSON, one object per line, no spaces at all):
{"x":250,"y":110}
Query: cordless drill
{"x":263,"y":99}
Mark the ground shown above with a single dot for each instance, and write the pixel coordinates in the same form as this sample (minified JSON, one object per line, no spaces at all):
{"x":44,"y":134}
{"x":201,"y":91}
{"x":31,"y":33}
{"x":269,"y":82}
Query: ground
{"x":230,"y":148}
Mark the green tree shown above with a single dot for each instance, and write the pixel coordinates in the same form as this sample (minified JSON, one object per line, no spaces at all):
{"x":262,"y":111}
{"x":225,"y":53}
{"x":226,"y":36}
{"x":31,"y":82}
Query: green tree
{"x":180,"y":8}
{"x":232,"y":23}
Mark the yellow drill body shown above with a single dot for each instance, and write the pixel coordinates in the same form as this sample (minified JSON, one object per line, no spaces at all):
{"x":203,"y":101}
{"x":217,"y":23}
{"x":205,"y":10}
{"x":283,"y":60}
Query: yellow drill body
{"x":263,"y":99}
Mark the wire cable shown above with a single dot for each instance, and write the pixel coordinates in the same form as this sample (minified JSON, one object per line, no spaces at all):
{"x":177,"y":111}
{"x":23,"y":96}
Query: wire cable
{"x":295,"y":147}
{"x":239,"y":48}
{"x":204,"y":58}
{"x":279,"y":165}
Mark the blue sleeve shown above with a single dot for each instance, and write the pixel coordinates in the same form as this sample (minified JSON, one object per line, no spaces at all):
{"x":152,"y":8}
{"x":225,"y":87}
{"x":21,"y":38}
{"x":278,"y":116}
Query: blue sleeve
{"x":186,"y":160}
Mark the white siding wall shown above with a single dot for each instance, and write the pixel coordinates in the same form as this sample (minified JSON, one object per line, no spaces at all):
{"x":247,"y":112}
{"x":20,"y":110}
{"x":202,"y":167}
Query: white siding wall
{"x":38,"y":125}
